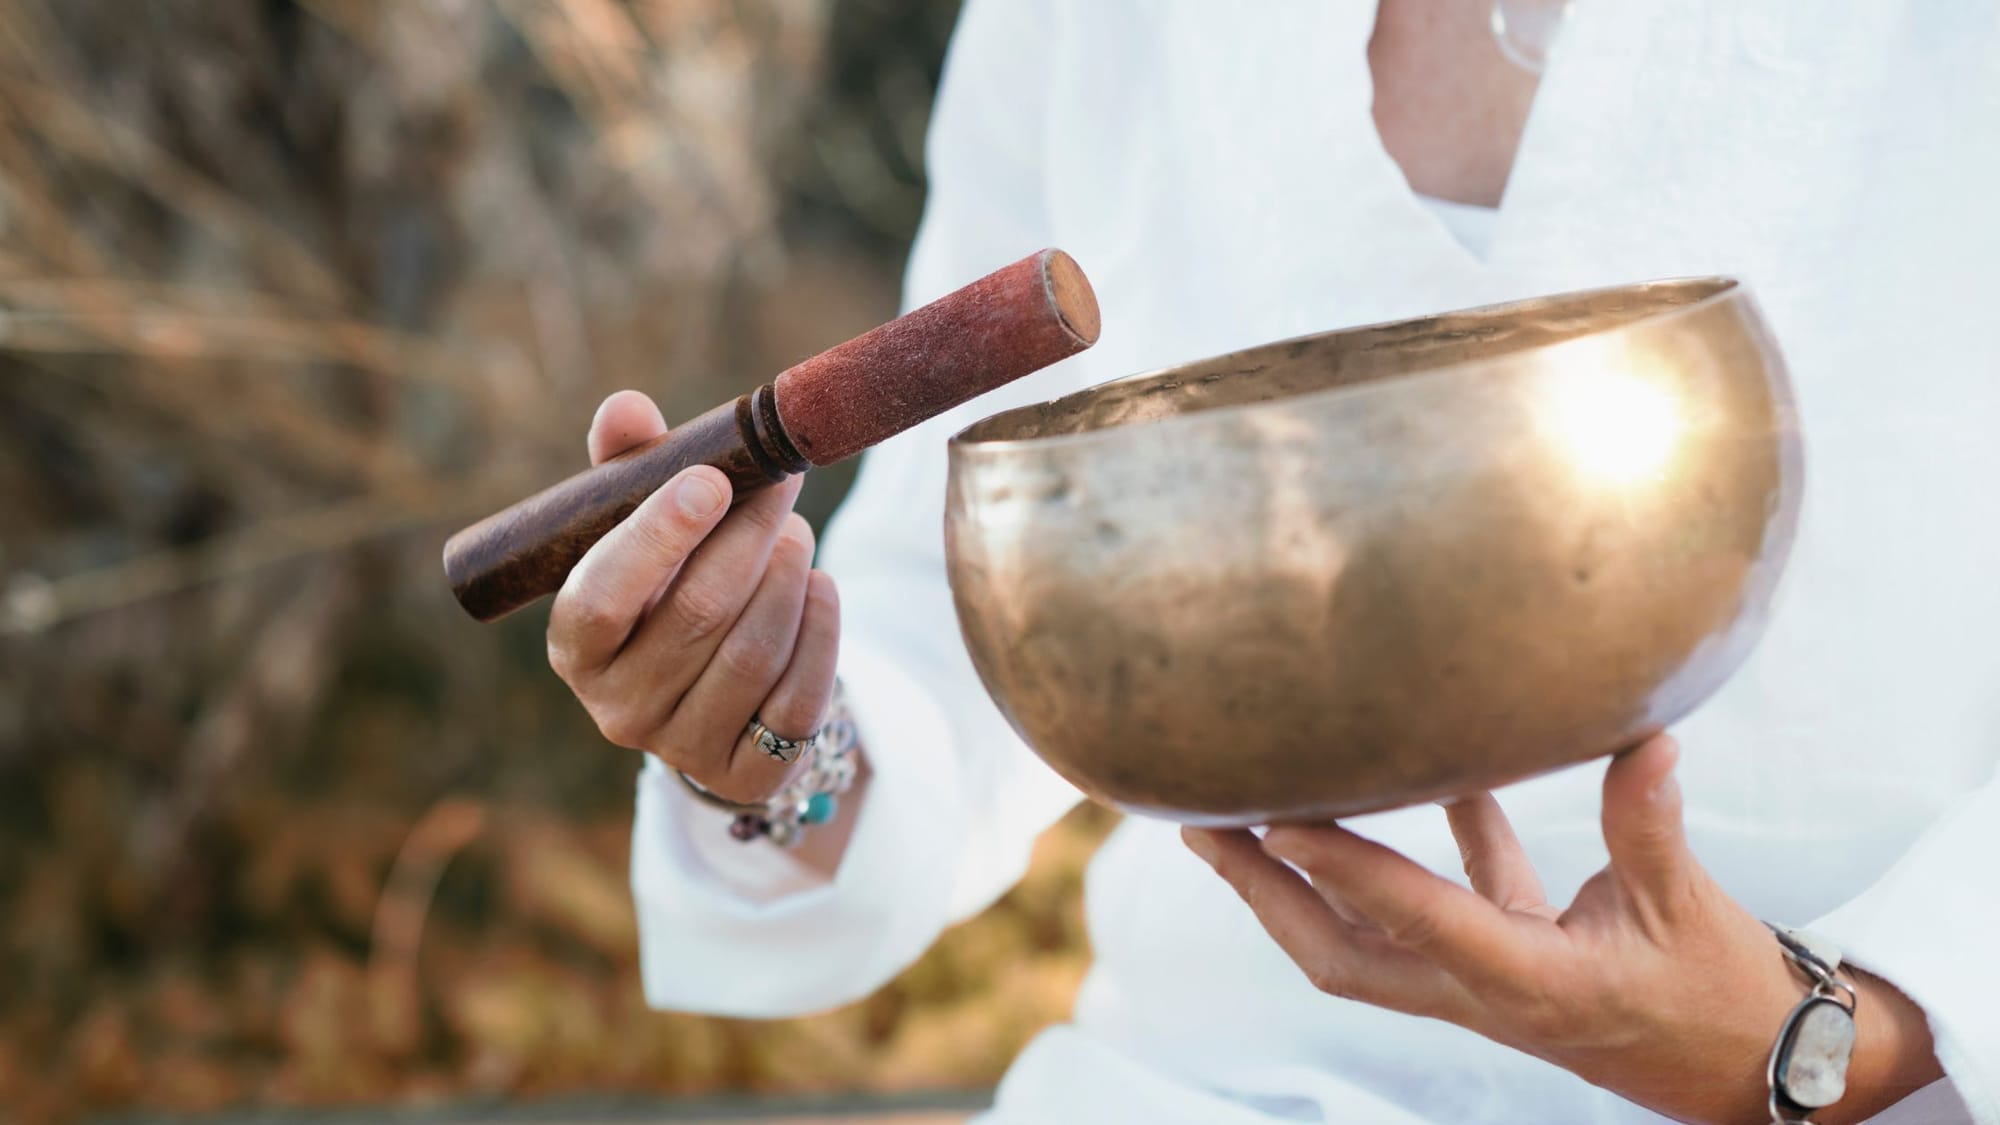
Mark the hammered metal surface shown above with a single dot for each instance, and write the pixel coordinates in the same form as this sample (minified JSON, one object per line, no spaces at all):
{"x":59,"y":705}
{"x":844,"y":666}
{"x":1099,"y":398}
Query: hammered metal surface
{"x":1384,"y":565}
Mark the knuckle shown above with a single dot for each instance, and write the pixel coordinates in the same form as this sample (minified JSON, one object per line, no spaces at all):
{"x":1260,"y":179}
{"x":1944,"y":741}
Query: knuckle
{"x":791,"y":555}
{"x":797,"y":712}
{"x":624,"y":725}
{"x":799,"y":529}
{"x":1230,"y":868}
{"x":1251,"y":891}
{"x":621,"y":730}
{"x":700,"y":611}
{"x":1290,"y":842}
{"x":1328,"y":975}
{"x":768,"y":515}
{"x":562,"y":661}
{"x":589,"y":615}
{"x":660,"y":537}
{"x":823,"y":595}
{"x":1416,"y":930}
{"x":750,"y":655}
{"x":581,"y":611}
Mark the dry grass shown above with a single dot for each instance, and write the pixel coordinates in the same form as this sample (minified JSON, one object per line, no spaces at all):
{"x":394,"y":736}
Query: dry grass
{"x":287,"y":289}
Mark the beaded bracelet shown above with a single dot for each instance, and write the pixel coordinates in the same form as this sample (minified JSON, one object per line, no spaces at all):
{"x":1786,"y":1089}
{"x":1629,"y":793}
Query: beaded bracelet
{"x":810,"y":799}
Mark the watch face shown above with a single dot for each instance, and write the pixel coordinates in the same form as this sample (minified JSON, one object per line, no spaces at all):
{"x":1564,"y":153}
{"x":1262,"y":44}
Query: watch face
{"x":1812,"y":1062}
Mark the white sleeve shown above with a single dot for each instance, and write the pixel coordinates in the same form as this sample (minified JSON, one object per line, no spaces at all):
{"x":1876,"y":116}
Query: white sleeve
{"x":955,"y":801}
{"x":1927,"y":927}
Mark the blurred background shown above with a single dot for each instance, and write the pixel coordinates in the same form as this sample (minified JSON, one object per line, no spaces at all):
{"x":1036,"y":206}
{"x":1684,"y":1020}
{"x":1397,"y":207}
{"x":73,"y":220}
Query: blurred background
{"x":289,"y":289}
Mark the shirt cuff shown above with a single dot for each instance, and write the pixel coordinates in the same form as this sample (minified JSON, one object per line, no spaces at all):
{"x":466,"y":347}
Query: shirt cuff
{"x":734,"y":929}
{"x":1935,"y":1104}
{"x":1927,"y":927}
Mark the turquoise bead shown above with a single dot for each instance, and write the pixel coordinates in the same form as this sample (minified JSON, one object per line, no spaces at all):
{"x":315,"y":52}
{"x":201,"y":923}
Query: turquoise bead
{"x":820,"y":808}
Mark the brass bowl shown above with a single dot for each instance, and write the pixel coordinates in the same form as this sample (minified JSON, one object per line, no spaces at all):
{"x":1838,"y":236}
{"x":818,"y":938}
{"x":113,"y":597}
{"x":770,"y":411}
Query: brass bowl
{"x":1384,"y":565}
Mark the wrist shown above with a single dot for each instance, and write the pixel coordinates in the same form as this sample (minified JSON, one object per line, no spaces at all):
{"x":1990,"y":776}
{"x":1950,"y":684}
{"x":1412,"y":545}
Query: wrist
{"x":1893,"y":1053}
{"x":1706,"y":1062}
{"x":1733,"y":1054}
{"x":1739,"y":1090}
{"x":822,"y":850}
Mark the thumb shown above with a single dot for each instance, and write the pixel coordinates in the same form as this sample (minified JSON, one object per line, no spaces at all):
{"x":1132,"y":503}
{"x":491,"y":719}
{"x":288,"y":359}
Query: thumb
{"x":624,"y":420}
{"x":1642,"y":825}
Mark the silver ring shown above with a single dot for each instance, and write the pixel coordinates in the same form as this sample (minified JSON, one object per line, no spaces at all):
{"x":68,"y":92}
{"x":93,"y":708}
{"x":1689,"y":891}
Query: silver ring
{"x":786,"y":750}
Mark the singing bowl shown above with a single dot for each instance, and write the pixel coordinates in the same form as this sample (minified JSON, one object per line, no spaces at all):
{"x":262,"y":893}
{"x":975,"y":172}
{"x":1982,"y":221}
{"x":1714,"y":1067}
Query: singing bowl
{"x":1383,"y":565}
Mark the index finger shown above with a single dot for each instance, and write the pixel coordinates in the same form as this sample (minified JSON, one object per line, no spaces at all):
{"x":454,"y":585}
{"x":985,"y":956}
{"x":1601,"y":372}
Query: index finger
{"x":1463,"y":933}
{"x":1340,"y":959}
{"x":617,"y":579}
{"x":623,"y":420}
{"x":1492,"y":855}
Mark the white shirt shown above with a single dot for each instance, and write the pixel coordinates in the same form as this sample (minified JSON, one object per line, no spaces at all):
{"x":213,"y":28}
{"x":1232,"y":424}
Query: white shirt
{"x":1216,"y":171}
{"x":1471,"y":224}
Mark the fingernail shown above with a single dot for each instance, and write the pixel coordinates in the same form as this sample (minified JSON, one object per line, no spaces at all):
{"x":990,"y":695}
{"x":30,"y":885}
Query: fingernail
{"x":698,"y":496}
{"x":1200,"y":843}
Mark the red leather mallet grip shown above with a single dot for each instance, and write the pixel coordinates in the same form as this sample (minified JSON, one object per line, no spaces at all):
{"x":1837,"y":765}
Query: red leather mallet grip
{"x":1007,"y":324}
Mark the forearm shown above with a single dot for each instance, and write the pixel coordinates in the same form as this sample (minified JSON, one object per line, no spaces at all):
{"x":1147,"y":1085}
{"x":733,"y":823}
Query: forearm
{"x":1719,"y":1076}
{"x":1724,"y":1080}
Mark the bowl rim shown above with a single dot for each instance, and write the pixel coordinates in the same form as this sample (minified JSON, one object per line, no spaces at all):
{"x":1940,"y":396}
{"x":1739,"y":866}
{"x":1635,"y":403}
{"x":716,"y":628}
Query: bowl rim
{"x":1722,"y":289}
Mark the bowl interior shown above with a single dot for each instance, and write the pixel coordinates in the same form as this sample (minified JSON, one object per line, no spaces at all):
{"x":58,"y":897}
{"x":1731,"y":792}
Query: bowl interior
{"x":1333,"y":360}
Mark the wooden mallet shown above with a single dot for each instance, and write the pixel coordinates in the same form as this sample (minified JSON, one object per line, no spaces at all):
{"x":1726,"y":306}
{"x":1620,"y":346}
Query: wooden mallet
{"x":1007,"y":324}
